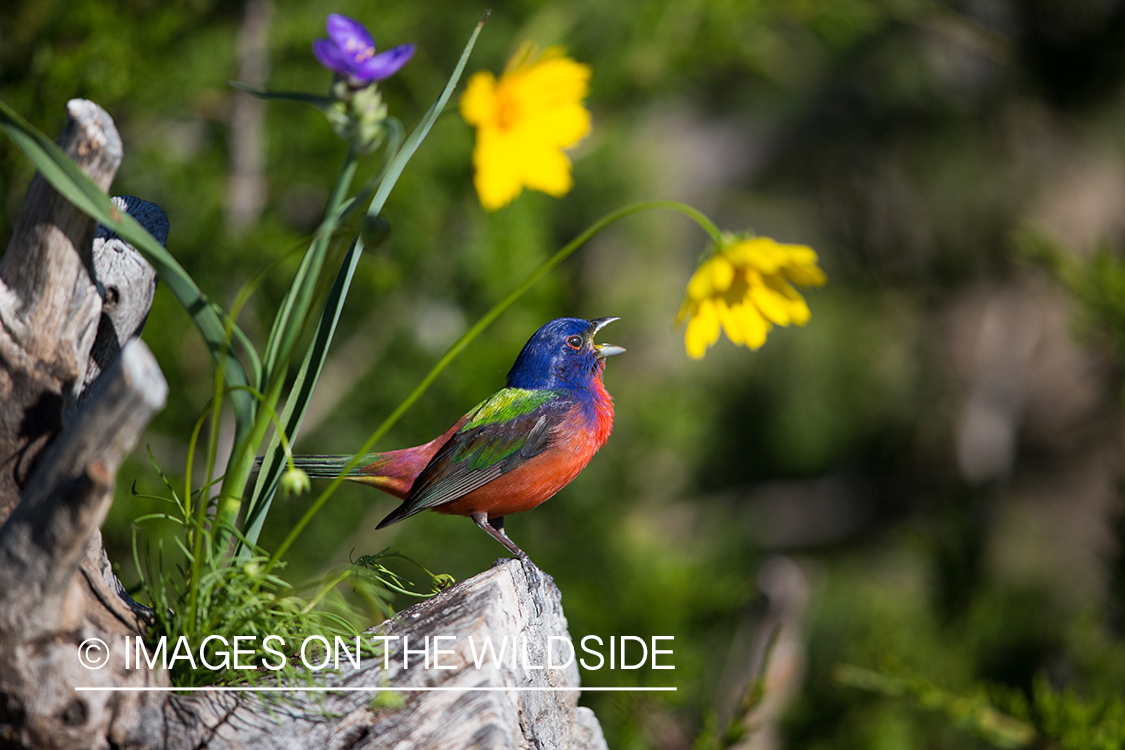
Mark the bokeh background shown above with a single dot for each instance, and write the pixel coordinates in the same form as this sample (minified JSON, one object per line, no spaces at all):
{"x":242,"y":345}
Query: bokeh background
{"x":923,"y":482}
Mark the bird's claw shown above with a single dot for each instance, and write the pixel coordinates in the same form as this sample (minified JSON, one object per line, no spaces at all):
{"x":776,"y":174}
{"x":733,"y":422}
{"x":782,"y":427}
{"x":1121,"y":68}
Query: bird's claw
{"x":533,"y":575}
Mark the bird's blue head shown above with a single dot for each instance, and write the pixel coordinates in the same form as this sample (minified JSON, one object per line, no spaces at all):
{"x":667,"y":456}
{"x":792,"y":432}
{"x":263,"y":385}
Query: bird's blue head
{"x":562,"y":354}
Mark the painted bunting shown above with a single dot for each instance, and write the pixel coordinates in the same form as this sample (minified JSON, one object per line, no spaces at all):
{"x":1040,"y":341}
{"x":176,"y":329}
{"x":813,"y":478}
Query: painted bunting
{"x":512,"y":451}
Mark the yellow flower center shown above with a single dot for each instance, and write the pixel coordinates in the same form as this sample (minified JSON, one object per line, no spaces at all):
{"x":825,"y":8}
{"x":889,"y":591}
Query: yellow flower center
{"x":507,"y":112}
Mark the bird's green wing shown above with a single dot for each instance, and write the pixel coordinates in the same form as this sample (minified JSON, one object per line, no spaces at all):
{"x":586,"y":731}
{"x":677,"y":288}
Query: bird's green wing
{"x":502,"y":432}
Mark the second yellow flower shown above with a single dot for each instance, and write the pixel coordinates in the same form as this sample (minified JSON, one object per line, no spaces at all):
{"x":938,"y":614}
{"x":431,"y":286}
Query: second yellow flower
{"x":746,"y":287}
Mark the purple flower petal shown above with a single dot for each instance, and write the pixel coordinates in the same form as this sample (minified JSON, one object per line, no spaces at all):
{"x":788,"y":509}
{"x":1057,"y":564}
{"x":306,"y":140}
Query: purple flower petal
{"x":329,"y":56}
{"x":344,"y":30}
{"x":384,"y":64}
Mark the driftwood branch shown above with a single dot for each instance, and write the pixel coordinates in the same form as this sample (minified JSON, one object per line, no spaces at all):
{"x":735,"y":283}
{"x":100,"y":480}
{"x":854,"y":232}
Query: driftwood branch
{"x":126,"y":284}
{"x":70,"y":492}
{"x":78,"y":388}
{"x":57,"y":588}
{"x":49,"y":306}
{"x":55,"y":592}
{"x":471,"y":708}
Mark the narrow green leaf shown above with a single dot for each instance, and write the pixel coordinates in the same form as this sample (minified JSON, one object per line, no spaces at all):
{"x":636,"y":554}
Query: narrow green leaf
{"x":158,"y":516}
{"x":313,"y":100}
{"x":290,"y":319}
{"x":298,"y":401}
{"x":296,"y":405}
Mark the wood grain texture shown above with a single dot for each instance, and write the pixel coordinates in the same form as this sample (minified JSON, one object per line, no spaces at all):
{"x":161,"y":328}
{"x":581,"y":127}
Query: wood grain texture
{"x":49,"y":306}
{"x":126,"y":284}
{"x":56,"y":484}
{"x":514,"y":601}
{"x":54,"y":589}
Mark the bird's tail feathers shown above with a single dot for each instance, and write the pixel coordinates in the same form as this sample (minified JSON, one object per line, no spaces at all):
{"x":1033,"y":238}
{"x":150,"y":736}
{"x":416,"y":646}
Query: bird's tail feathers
{"x":326,"y":466}
{"x":403,"y":511}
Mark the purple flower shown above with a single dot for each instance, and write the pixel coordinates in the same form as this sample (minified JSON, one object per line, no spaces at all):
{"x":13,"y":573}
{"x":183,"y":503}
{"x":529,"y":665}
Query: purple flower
{"x":350,"y":51}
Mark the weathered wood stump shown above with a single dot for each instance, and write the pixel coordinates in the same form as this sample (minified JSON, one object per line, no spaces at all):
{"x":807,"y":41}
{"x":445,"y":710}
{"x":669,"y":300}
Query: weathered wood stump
{"x":78,"y":388}
{"x":505,"y":703}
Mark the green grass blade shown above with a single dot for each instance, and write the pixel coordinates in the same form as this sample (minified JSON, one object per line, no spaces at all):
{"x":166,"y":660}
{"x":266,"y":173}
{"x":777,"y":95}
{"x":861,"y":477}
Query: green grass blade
{"x":295,"y":407}
{"x":313,"y":100}
{"x":290,"y":320}
{"x":298,"y":401}
{"x":55,"y":165}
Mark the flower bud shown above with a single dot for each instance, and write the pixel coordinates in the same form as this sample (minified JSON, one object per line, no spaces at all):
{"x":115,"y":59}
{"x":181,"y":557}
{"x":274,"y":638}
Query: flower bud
{"x":374,"y":230}
{"x":295,"y":482}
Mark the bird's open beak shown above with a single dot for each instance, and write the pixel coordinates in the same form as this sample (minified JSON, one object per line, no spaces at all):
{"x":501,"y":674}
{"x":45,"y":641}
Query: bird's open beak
{"x":604,"y":350}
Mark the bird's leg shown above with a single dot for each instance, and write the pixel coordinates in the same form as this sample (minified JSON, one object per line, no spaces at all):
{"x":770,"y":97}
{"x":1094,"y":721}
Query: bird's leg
{"x":498,"y":524}
{"x":495,"y":529}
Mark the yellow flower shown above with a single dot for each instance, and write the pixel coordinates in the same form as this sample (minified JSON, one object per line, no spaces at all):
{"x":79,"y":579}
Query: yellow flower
{"x":523,"y":122}
{"x":746,"y":287}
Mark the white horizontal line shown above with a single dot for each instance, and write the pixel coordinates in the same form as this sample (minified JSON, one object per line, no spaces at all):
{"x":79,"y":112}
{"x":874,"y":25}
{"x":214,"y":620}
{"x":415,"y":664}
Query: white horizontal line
{"x":224,"y":689}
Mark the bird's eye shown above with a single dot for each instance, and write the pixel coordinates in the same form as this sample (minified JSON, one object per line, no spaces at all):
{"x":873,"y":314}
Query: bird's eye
{"x":574,"y":342}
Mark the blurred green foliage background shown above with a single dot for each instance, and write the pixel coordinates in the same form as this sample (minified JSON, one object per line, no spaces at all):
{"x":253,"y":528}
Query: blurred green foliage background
{"x":921,"y":483}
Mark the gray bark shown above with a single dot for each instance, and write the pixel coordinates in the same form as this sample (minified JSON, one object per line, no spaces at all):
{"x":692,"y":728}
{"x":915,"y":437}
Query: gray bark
{"x":126,"y":284}
{"x":78,"y":389}
{"x":49,"y":307}
{"x":512,"y":600}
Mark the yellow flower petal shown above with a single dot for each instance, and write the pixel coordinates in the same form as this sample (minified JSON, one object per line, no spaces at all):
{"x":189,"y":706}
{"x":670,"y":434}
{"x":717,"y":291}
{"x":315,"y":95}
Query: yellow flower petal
{"x":684,"y":313}
{"x":760,"y":253}
{"x":714,"y":276}
{"x":805,"y":275}
{"x":699,"y":286}
{"x":478,"y":103}
{"x":694,"y":343}
{"x":523,"y":122}
{"x":552,"y":92}
{"x":702,"y":330}
{"x":754,"y":326}
{"x":722,"y":273}
{"x":551,"y":174}
{"x":731,"y":324}
{"x":499,"y":182}
{"x":771,"y":303}
{"x":795,"y":304}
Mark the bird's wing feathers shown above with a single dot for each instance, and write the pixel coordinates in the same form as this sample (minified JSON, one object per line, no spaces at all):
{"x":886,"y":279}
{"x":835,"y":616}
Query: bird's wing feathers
{"x":501,"y":433}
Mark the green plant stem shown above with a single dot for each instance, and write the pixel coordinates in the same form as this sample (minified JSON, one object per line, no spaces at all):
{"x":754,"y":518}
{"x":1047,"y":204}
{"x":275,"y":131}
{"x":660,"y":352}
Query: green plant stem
{"x":244,"y":451}
{"x":463,"y":342}
{"x":398,"y":154}
{"x":201,"y":506}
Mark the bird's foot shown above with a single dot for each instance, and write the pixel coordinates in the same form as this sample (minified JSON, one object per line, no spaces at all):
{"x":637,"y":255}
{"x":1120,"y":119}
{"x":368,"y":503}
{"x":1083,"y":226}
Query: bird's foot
{"x":534,"y":577}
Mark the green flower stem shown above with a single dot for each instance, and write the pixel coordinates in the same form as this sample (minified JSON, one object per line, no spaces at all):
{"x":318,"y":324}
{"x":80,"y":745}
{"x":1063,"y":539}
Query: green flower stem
{"x":290,"y":318}
{"x":462,"y":343}
{"x":201,"y":506}
{"x":295,"y":307}
{"x":397,"y":158}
